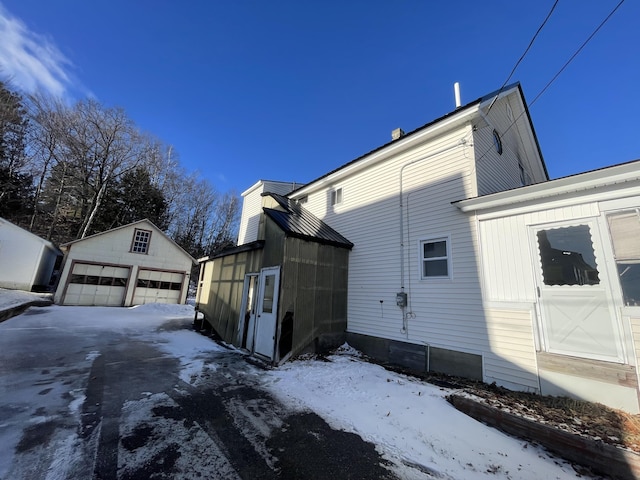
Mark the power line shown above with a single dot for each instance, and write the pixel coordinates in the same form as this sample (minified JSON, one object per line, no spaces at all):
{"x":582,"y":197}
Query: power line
{"x":577,"y":52}
{"x":537,"y":97}
{"x":533,"y":39}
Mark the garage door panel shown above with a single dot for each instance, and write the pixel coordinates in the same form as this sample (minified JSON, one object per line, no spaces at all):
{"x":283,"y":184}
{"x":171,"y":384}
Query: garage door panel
{"x":102,"y":285}
{"x":158,"y":287}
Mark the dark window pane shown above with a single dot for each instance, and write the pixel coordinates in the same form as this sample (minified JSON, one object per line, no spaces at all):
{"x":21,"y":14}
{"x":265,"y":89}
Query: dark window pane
{"x":119,"y":282}
{"x":630,"y":282}
{"x":435,"y":249}
{"x":77,"y":278}
{"x":92,"y":280}
{"x":143,"y":283}
{"x":165,"y":285}
{"x":435,"y":268}
{"x":176,"y":286}
{"x":567,"y":256}
{"x":269,"y":290}
{"x":106,"y":280}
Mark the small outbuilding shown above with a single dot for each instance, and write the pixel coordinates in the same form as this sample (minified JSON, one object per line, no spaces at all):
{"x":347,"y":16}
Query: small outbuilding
{"x":284,"y":293}
{"x":129,"y":265}
{"x":27,"y":261}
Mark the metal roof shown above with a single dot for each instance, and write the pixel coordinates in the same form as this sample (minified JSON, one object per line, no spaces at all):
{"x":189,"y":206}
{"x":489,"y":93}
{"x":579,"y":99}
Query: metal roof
{"x":298,"y":222}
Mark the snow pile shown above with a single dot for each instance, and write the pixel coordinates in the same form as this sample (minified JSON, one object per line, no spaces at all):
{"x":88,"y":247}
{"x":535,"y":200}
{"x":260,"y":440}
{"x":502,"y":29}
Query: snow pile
{"x":167,"y":310}
{"x":409,"y":420}
{"x":13,"y":298}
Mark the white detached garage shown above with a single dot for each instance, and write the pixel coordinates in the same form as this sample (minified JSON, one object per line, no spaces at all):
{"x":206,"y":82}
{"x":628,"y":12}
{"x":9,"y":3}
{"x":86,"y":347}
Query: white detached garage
{"x":129,"y":265}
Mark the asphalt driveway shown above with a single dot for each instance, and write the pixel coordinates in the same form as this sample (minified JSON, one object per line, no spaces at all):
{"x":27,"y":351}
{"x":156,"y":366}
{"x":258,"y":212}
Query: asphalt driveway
{"x":85,"y":400}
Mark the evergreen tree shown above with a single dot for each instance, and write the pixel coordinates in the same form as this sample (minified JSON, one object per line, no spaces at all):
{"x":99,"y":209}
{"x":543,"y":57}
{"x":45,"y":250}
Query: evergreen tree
{"x":16,"y":186}
{"x":129,"y":199}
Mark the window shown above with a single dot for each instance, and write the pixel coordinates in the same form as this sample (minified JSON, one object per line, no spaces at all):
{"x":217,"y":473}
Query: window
{"x":336,"y":196}
{"x":497,"y":142}
{"x":624,"y":228}
{"x":567,"y":256}
{"x":435,"y":258}
{"x":98,"y":280}
{"x":141,"y":241}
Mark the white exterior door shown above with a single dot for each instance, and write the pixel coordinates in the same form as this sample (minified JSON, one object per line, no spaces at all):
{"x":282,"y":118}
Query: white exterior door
{"x":576,"y":311}
{"x":266,"y":312}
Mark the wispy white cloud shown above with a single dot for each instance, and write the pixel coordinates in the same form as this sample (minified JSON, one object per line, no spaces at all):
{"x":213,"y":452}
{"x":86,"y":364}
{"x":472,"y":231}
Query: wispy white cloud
{"x":32,"y":62}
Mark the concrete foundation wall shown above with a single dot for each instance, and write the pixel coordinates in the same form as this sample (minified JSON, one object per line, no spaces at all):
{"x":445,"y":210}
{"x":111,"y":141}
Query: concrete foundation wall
{"x":419,"y":358}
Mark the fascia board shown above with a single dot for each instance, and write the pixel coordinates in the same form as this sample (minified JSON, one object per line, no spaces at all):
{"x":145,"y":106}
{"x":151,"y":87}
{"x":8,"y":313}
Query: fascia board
{"x":252,"y":188}
{"x":618,"y":175}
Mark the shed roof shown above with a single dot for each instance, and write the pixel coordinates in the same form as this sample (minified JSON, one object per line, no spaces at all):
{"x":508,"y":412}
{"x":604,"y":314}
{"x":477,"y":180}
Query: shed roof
{"x":298,"y":222}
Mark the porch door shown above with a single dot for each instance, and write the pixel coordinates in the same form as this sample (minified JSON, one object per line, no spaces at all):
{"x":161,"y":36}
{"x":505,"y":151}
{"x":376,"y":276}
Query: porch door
{"x":247,"y":323}
{"x":267,"y":311}
{"x":577,"y":316}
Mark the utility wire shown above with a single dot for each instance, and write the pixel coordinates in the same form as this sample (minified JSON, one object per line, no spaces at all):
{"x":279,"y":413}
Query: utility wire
{"x":533,"y":39}
{"x":537,"y":97}
{"x":577,"y":52}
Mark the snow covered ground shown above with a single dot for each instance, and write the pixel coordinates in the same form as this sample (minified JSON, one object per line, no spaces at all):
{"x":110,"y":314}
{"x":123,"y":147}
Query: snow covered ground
{"x":13,"y":298}
{"x":410,"y":421}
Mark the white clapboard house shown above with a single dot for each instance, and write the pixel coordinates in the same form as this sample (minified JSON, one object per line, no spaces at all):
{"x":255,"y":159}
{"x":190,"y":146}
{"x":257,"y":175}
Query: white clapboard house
{"x":465,"y":259}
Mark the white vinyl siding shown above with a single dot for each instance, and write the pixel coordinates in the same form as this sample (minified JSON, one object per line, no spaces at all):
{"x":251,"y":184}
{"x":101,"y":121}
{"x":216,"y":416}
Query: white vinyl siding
{"x":252,"y":207}
{"x":506,"y":251}
{"x":497,"y":172}
{"x":511,"y":361}
{"x":446,"y":314}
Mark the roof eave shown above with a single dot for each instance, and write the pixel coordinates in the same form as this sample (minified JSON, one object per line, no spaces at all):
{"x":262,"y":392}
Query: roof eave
{"x":456,"y":118}
{"x":617,"y":174}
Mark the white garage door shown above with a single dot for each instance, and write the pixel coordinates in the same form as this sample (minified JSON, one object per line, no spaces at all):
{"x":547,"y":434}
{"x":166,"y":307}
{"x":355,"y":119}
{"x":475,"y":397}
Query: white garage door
{"x":158,"y":287}
{"x":96,"y":285}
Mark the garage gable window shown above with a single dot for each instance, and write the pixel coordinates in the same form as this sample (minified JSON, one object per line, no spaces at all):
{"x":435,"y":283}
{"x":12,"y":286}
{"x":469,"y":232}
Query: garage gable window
{"x":141,"y":240}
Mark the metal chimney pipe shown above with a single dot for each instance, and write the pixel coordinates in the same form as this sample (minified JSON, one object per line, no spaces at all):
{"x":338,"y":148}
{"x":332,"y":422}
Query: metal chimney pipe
{"x":456,"y":90}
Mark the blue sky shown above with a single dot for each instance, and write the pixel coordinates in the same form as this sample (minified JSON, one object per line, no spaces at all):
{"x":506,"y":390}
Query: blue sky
{"x":289,"y":90}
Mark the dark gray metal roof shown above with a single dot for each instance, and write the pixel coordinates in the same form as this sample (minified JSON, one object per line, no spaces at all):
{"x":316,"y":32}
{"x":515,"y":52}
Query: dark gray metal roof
{"x":298,"y":222}
{"x":257,"y":245}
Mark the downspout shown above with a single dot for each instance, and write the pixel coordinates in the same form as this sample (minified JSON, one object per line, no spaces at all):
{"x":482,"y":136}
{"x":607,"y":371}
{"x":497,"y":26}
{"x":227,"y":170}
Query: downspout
{"x":461,"y":142}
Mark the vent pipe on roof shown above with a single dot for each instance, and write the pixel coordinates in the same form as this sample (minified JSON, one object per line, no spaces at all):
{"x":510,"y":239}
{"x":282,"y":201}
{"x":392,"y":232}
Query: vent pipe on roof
{"x":456,"y":91}
{"x":397,"y":133}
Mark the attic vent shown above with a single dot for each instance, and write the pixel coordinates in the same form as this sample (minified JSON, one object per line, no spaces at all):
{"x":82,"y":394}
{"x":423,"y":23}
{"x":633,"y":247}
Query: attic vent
{"x":397,"y":133}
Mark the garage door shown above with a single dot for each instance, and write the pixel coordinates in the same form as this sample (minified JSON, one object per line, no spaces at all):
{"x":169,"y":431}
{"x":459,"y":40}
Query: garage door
{"x":96,"y":285}
{"x":157,"y":287}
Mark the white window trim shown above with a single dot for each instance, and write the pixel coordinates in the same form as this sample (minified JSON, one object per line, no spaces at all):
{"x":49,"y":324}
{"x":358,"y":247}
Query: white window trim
{"x":421,"y":242}
{"x":337,"y":192}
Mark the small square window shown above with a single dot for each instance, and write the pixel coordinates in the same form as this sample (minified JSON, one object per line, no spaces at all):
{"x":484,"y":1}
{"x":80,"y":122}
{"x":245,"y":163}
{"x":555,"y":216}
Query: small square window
{"x":435,"y":258}
{"x":336,"y":196}
{"x":141,"y":241}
